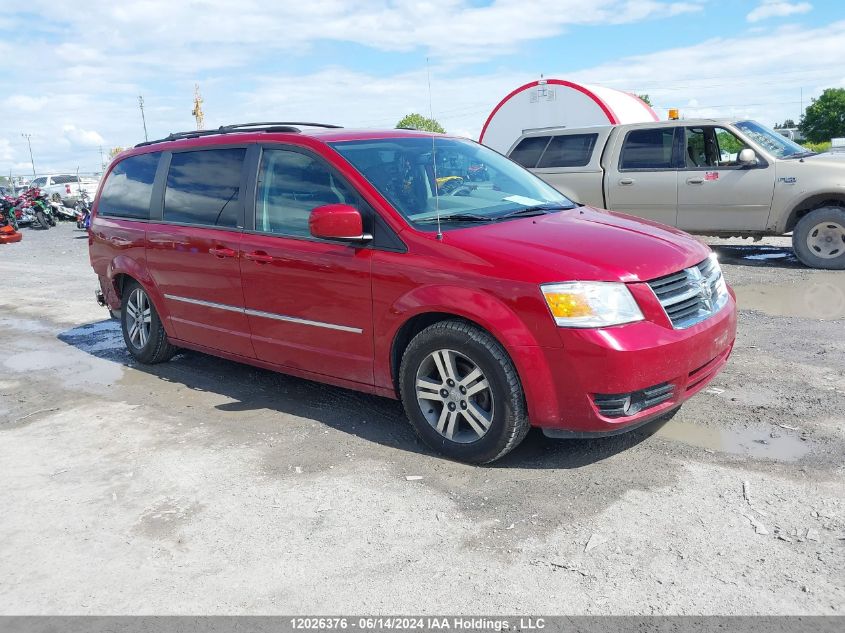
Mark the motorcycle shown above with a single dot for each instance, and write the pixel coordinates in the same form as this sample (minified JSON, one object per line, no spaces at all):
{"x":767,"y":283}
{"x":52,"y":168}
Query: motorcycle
{"x":478,"y":172}
{"x":60,"y":211}
{"x":8,"y":222}
{"x":34,"y":203}
{"x":83,"y":211}
{"x":8,"y":215}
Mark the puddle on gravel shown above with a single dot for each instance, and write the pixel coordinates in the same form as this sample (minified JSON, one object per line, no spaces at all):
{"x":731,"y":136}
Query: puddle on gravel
{"x":748,"y":442}
{"x":820,"y":297}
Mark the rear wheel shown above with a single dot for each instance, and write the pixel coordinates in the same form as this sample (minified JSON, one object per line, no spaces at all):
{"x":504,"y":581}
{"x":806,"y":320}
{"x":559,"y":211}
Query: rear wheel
{"x":462,"y":394}
{"x":819,"y":238}
{"x":143,"y":332}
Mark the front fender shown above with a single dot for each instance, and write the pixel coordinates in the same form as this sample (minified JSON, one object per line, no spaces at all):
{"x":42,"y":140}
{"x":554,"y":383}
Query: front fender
{"x":524,"y":346}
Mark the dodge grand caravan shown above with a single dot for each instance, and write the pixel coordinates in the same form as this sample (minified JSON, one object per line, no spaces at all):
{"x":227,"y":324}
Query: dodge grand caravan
{"x":370,"y":260}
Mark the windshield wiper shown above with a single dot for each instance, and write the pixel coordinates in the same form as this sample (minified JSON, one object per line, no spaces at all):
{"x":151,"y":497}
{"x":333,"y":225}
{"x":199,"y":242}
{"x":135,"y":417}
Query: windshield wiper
{"x":802,"y":154}
{"x":537,"y":209}
{"x":458,"y":217}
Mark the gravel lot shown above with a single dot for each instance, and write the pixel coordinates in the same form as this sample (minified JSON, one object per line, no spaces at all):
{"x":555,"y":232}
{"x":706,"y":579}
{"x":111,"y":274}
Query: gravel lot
{"x":204,"y":486}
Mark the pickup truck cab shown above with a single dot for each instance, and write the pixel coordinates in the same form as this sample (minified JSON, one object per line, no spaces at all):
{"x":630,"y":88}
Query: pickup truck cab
{"x":68,"y":187}
{"x":705,"y":176}
{"x":373,"y":260}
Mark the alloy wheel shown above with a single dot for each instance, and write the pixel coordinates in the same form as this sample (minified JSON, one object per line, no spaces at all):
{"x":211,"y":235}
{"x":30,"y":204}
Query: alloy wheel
{"x":138,"y":318}
{"x":454,"y":396}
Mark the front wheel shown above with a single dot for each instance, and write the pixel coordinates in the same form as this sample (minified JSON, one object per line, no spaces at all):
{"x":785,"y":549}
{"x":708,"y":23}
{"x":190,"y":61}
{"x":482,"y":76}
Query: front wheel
{"x":819,"y":238}
{"x":41,"y":219}
{"x":462,"y":394}
{"x":143,"y":331}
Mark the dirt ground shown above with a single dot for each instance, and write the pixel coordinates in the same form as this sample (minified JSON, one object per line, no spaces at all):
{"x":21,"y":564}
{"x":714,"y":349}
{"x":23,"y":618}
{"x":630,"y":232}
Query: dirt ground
{"x":204,"y":486}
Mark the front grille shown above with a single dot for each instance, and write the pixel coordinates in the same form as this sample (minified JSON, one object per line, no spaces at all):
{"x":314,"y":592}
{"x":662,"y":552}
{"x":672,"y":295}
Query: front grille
{"x":693,"y":294}
{"x":619,"y":405}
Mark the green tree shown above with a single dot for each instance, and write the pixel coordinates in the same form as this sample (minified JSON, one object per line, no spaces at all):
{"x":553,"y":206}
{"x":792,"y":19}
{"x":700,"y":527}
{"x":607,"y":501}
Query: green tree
{"x":824,"y":118}
{"x":416,"y":121}
{"x":646,"y":98}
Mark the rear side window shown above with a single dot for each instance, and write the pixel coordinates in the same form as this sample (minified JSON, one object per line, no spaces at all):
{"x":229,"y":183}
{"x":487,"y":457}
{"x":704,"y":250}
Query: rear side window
{"x":129,"y":188}
{"x":63,"y":180}
{"x":529,"y":150}
{"x":570,"y":150}
{"x":648,"y":149}
{"x":203,"y":187}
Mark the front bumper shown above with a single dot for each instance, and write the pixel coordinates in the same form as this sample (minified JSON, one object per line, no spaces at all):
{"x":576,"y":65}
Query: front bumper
{"x":626,"y":359}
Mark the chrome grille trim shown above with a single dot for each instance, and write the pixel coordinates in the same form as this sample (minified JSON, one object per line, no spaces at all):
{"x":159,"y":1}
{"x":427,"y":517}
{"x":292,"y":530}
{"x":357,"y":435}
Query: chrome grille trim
{"x":691,"y":295}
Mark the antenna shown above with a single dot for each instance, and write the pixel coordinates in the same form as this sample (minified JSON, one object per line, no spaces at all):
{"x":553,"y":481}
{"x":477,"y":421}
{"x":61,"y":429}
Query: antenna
{"x":143,"y":119}
{"x":433,"y":154}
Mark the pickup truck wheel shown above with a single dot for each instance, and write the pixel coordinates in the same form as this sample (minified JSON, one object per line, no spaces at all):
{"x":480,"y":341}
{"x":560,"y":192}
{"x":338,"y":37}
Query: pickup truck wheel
{"x":143,"y":332}
{"x":819,"y":238}
{"x":462,"y":394}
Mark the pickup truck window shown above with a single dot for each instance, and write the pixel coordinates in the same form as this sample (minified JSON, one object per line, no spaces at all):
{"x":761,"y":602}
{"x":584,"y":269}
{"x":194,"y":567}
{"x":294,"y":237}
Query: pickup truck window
{"x":711,"y":147}
{"x":771,"y":141}
{"x":568,"y":150}
{"x":527,"y":153}
{"x":648,"y":149}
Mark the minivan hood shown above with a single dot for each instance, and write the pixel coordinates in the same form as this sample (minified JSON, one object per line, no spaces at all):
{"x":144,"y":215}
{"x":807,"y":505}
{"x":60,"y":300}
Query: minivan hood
{"x":584,"y":244}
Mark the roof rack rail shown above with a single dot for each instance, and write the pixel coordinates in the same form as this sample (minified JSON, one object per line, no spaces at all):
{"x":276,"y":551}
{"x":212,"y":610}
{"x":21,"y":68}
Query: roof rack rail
{"x":269,"y":126}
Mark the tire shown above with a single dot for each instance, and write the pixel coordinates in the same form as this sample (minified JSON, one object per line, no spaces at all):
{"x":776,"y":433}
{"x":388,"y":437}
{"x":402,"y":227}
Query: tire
{"x":819,"y":238}
{"x":41,"y":218}
{"x":485,"y":422}
{"x":148,"y":346}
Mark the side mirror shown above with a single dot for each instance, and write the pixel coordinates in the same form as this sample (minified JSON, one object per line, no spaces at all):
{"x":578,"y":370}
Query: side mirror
{"x":747,"y":158}
{"x":337,"y":222}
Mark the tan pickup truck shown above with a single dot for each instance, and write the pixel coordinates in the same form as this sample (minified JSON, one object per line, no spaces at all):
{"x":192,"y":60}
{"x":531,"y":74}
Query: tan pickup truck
{"x":706,"y":176}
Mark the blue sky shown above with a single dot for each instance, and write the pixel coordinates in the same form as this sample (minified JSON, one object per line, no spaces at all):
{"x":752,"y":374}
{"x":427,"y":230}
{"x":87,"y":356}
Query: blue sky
{"x":72,"y":72}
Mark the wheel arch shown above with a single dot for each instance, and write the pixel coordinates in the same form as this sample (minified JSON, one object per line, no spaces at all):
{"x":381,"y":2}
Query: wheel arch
{"x":427,"y":306}
{"x":121,"y":270}
{"x":811,"y":203}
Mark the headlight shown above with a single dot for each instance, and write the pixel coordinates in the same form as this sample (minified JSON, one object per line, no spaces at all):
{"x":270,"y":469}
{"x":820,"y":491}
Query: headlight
{"x":591,"y":303}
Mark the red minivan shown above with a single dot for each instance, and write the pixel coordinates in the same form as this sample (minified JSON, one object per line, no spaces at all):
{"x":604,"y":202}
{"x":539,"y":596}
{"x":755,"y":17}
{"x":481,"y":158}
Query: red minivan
{"x":372,"y":260}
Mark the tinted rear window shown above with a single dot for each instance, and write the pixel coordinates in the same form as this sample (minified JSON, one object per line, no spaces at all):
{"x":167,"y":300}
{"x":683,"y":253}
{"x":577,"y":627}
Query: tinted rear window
{"x":648,"y":149}
{"x":570,"y":150}
{"x":203,"y":187}
{"x":529,"y":150}
{"x":63,"y":180}
{"x":129,"y":187}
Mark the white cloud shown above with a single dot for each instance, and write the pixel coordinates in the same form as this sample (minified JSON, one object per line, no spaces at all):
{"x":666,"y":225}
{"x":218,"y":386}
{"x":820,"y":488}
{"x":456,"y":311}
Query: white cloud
{"x":777,"y":9}
{"x":26,"y":102}
{"x":6,"y":151}
{"x":78,"y":136}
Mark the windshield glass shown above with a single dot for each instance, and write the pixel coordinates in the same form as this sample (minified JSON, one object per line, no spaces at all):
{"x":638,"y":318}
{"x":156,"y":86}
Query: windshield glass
{"x":465,"y":181}
{"x":771,"y":141}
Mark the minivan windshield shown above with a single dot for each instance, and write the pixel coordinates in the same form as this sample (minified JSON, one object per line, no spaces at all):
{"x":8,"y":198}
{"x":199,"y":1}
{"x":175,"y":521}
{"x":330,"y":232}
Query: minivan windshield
{"x":462,"y":181}
{"x":771,"y":141}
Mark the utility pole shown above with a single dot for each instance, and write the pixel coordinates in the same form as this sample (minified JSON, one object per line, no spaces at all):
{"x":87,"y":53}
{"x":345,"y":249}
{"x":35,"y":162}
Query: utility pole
{"x":31,"y":159}
{"x":102,"y":160}
{"x":143,"y":120}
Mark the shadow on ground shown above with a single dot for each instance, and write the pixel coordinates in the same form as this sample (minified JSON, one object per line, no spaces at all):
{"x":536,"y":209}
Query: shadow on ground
{"x":375,"y":419}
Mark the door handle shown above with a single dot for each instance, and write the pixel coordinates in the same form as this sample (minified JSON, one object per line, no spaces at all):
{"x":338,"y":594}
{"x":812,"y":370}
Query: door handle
{"x":222,"y":251}
{"x":697,"y":180}
{"x":626,"y":181}
{"x":259,"y":257}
